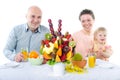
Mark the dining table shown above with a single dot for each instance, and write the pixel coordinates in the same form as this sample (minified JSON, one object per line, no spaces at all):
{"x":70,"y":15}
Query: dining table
{"x":103,"y":70}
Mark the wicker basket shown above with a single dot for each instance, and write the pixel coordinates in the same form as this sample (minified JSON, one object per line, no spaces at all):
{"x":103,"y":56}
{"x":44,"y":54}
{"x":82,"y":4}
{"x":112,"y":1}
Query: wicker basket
{"x":80,"y":64}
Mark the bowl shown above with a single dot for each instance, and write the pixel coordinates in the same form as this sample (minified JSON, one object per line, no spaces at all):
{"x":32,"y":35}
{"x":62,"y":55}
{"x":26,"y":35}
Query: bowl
{"x":35,"y":61}
{"x":80,"y":64}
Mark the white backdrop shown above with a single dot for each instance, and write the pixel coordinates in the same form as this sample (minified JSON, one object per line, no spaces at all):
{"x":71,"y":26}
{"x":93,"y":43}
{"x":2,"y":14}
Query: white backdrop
{"x":107,"y":13}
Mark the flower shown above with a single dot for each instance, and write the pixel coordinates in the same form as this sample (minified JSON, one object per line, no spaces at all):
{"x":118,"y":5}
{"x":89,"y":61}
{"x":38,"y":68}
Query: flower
{"x":57,"y":47}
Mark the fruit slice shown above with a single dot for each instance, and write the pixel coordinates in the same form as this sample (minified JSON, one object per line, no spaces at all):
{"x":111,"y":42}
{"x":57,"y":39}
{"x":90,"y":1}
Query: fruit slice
{"x":72,"y":43}
{"x":41,"y":49}
{"x":57,"y":59}
{"x":48,"y":36}
{"x":47,"y":56}
{"x":69,"y":55}
{"x":59,"y":41}
{"x":63,"y":57}
{"x":56,"y":44}
{"x":49,"y":49}
{"x":59,"y":52}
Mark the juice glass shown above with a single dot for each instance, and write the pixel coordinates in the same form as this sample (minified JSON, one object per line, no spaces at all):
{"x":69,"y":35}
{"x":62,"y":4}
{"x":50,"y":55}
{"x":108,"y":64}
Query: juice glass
{"x":25,"y":54}
{"x":91,"y":60}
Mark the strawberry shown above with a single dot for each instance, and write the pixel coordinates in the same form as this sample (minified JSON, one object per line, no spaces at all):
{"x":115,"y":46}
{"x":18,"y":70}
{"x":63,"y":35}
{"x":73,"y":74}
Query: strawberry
{"x":63,"y":57}
{"x":46,"y":41}
{"x":53,"y":40}
{"x":68,"y":36}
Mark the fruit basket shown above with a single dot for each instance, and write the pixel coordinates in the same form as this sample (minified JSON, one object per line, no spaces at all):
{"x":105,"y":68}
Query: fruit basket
{"x":80,"y":64}
{"x":77,"y":60}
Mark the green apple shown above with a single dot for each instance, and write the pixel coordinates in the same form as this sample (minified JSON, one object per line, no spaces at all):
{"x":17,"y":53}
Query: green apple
{"x":77,"y":57}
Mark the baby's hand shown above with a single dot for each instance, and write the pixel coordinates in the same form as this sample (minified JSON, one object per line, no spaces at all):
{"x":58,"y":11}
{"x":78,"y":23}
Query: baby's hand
{"x":107,"y":47}
{"x":108,"y":52}
{"x":102,"y":50}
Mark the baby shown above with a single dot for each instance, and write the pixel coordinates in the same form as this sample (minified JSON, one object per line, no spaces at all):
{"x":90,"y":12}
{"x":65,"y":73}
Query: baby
{"x":100,"y":47}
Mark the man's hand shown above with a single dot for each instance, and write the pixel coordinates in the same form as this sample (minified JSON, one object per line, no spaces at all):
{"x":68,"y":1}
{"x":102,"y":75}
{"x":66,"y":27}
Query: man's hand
{"x":19,"y":57}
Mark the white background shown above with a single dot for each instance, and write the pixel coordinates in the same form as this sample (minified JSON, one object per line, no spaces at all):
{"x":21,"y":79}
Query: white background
{"x":107,"y":14}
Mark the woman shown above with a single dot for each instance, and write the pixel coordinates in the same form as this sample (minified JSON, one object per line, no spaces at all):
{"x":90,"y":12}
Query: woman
{"x":84,"y":37}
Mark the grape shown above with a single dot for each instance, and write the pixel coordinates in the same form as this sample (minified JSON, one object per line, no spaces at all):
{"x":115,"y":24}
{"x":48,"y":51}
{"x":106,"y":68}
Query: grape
{"x":53,"y":55}
{"x":59,"y":29}
{"x":47,"y":45}
{"x":66,"y":49}
{"x":59,"y":33}
{"x":51,"y":29}
{"x":49,"y":20}
{"x":59,"y":25}
{"x":59,"y":20}
{"x":50,"y":24}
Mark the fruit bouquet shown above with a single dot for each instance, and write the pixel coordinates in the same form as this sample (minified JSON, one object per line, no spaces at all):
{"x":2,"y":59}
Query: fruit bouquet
{"x":57,"y":47}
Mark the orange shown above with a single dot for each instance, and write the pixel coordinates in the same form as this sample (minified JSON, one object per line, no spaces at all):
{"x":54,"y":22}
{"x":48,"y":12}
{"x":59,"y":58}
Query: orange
{"x":33,"y":54}
{"x":47,"y":56}
{"x":59,"y":52}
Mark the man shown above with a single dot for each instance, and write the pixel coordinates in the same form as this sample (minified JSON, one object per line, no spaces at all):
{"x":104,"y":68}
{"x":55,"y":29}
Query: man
{"x":26,"y":36}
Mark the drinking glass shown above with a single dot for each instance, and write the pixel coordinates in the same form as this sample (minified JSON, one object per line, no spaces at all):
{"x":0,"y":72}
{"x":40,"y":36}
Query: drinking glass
{"x":91,"y":60}
{"x":25,"y":53}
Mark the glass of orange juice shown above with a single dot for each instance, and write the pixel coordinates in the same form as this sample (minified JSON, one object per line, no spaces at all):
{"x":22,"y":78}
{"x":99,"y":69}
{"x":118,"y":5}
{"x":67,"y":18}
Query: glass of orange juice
{"x":91,"y":60}
{"x":25,"y":54}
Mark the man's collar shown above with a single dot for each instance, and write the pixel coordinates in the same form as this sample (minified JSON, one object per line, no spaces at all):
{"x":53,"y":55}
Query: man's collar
{"x":37,"y":30}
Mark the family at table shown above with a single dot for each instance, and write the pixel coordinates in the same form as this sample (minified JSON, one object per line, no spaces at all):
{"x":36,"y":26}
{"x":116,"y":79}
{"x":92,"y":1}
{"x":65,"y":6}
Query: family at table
{"x":30,"y":34}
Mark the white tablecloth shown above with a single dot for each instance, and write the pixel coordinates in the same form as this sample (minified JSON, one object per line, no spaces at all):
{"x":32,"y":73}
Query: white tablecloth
{"x":26,"y":71}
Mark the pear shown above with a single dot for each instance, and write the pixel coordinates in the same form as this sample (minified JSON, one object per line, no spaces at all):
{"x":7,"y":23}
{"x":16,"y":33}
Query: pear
{"x":57,"y":59}
{"x":69,"y":55}
{"x":56,"y":44}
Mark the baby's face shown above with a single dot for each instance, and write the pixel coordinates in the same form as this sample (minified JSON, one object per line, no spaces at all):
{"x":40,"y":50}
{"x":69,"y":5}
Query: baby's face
{"x":101,"y":37}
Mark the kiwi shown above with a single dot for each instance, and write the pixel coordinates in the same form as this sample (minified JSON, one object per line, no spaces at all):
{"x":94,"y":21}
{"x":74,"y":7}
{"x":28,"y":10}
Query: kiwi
{"x":72,"y":44}
{"x":48,"y":36}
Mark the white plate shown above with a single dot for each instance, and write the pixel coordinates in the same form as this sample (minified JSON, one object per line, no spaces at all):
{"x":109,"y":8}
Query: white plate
{"x":106,"y":66}
{"x":12,"y":64}
{"x":9,"y":65}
